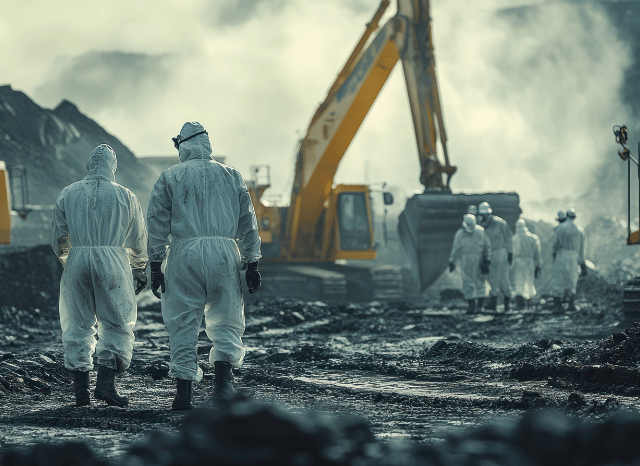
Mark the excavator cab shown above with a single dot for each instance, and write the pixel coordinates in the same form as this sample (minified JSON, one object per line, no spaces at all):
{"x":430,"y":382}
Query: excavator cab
{"x":350,"y":234}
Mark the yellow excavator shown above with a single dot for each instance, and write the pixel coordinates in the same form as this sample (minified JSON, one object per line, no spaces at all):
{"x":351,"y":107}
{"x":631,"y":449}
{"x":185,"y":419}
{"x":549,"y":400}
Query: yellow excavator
{"x":325,"y":223}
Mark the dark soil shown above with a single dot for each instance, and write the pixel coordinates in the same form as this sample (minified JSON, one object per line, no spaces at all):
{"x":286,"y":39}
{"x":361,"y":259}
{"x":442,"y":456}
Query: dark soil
{"x":420,"y":371}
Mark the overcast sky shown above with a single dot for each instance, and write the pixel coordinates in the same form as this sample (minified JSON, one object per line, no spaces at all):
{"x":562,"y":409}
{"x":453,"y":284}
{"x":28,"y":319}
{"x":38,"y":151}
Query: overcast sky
{"x":528,"y":105}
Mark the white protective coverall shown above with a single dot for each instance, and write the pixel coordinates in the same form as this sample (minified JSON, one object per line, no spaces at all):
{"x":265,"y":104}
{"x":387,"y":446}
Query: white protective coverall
{"x":568,"y":247}
{"x":99,"y":235}
{"x":468,"y":251}
{"x":501,"y":239}
{"x":526,"y":258}
{"x":206,"y":208}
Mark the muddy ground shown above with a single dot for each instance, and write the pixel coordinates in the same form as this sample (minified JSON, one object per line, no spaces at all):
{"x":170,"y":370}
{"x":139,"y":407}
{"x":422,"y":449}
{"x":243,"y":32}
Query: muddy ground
{"x":414,"y":370}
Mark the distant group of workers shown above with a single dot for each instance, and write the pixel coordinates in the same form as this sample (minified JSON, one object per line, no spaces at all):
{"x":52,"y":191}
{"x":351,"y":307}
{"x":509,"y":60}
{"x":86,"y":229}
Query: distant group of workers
{"x":203,"y":211}
{"x":488,"y":254}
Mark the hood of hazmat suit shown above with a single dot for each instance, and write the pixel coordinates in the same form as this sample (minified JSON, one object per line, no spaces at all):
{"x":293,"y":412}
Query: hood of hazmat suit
{"x":202,"y":212}
{"x":484,"y":208}
{"x":469,"y":223}
{"x":99,"y":235}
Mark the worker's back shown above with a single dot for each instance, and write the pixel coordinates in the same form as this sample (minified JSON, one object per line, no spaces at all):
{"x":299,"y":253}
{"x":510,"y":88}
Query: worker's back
{"x":97,"y":211}
{"x":201,"y":198}
{"x":568,"y":236}
{"x":499,"y":233}
{"x":86,"y":226}
{"x":525,"y":244}
{"x":205,"y":199}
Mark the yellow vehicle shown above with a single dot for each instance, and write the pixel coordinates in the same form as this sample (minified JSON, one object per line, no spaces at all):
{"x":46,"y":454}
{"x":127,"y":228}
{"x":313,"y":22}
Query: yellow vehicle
{"x":326,"y":223}
{"x":13,"y":197}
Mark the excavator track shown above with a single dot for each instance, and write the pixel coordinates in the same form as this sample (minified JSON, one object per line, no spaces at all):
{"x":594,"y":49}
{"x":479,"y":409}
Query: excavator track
{"x":430,"y":220}
{"x":333,"y":282}
{"x":388,"y":282}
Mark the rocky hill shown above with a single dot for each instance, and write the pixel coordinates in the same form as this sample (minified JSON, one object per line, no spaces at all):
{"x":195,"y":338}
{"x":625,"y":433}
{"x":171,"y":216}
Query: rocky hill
{"x":54,"y":146}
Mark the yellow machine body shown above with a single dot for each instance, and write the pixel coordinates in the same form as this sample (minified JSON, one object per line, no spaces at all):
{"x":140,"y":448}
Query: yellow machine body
{"x":5,"y":205}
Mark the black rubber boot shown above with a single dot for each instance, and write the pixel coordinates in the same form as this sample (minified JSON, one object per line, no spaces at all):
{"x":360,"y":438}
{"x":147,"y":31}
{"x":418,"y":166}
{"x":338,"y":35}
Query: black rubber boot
{"x":480,"y":305}
{"x":557,"y":305}
{"x":507,"y":303}
{"x":81,"y":388}
{"x":223,"y":381}
{"x":106,"y":388}
{"x":493,"y":303}
{"x":184,"y":394}
{"x":572,"y":302}
{"x":520,"y":303}
{"x":472,"y":306}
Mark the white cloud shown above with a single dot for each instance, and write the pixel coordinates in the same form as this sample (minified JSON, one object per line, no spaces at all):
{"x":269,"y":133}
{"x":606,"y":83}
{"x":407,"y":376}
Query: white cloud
{"x":528,"y":105}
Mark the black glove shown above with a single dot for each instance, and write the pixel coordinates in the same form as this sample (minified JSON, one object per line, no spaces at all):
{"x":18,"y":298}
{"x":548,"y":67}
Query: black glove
{"x":554,"y":256}
{"x":452,"y":266}
{"x":583,"y":268}
{"x":140,"y":277}
{"x":157,"y":279}
{"x":537,"y":272}
{"x":510,"y":258}
{"x":252,"y":276}
{"x":484,"y":267}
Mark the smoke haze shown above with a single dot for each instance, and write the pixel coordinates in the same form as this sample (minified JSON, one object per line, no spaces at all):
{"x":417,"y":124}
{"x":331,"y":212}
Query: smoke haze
{"x":529,"y":92}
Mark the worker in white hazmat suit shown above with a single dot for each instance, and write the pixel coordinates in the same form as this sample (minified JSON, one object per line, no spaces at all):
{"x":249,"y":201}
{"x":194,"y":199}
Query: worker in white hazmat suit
{"x":568,"y":253}
{"x":471,"y":251}
{"x":206,"y":208}
{"x":527,"y":263}
{"x":99,"y":235}
{"x":501,"y":239}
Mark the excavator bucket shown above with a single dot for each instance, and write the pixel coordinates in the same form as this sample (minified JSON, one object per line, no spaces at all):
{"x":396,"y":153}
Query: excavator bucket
{"x":429,"y":222}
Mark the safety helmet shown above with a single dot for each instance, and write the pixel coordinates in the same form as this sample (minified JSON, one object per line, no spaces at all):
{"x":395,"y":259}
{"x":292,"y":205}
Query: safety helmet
{"x":562,"y":216}
{"x":571,"y":213}
{"x":484,"y":208}
{"x":472,"y":209}
{"x":521,"y":224}
{"x":469,"y":222}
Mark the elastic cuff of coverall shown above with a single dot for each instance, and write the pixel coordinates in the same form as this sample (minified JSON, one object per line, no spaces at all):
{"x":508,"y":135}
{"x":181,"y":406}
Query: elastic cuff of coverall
{"x":114,"y":363}
{"x":218,"y":356}
{"x":78,"y":368}
{"x":180,"y":372}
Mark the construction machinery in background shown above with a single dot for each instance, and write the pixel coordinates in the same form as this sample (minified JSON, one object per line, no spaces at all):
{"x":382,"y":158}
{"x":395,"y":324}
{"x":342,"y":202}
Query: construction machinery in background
{"x":326,"y":223}
{"x":13,"y":197}
{"x":631,"y":294}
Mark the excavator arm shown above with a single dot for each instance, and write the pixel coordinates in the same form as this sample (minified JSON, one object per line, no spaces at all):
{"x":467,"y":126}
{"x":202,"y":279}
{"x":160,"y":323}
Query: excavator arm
{"x":406,"y":36}
{"x":418,"y":63}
